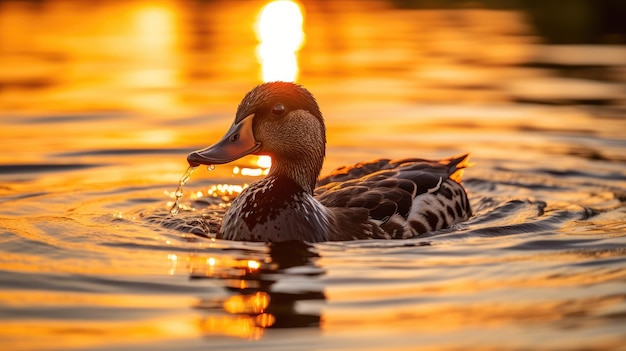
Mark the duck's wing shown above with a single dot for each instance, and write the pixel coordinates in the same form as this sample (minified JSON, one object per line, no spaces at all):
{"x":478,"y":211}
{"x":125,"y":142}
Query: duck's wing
{"x":383,"y":193}
{"x":391,"y":196}
{"x":355,"y":171}
{"x":361,"y":206}
{"x":454,"y":166}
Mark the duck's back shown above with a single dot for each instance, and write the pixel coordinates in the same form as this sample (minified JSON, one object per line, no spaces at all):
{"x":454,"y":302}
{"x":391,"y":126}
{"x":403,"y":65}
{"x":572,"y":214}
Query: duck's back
{"x":403,"y":198}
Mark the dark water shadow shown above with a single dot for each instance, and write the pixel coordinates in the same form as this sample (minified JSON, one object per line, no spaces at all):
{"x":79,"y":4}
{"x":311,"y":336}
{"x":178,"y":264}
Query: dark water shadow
{"x":126,"y":152}
{"x":43,"y":167}
{"x":264,"y":290}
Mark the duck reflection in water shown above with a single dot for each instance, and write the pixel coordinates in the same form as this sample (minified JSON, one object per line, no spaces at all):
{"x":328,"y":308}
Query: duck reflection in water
{"x":265,"y":291}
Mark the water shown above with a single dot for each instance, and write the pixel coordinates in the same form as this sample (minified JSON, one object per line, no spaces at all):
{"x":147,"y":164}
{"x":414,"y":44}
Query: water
{"x":97,"y":121}
{"x":179,"y":191}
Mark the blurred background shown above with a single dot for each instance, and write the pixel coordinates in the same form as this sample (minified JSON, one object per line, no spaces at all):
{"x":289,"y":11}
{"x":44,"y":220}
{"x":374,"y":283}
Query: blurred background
{"x":139,"y":74}
{"x":101,"y":100}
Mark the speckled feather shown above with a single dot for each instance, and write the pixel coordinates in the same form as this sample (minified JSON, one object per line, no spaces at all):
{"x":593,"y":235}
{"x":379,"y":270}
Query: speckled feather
{"x":404,"y":198}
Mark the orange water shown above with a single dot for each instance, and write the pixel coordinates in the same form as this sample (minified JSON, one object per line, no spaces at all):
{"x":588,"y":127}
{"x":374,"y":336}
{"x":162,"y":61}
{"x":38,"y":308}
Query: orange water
{"x":100,"y":102}
{"x":179,"y":191}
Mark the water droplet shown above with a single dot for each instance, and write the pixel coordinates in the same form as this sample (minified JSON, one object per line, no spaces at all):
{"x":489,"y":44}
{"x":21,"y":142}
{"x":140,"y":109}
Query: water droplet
{"x":211,"y":167}
{"x":179,"y":192}
{"x":174,"y":210}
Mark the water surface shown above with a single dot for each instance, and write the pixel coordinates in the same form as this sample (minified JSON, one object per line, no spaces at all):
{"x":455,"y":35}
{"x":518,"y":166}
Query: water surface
{"x":97,"y":117}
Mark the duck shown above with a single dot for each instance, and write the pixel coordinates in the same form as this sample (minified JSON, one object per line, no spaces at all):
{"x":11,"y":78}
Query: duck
{"x":378,"y":199}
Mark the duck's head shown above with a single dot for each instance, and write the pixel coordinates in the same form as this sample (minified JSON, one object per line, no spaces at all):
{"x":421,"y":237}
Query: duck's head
{"x":278,"y":119}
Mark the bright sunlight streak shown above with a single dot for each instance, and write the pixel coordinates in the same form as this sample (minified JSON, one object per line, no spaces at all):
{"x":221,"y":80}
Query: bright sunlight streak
{"x":264,"y":162}
{"x":279,"y":29}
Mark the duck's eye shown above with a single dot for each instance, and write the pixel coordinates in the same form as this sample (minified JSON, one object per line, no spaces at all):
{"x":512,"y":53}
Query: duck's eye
{"x":278,"y":109}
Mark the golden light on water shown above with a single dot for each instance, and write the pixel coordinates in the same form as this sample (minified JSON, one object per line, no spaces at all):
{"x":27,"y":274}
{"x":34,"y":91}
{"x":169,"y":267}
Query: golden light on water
{"x":218,"y":190}
{"x":237,"y":326}
{"x":264,"y":162}
{"x":252,"y":265}
{"x":155,"y":35}
{"x":155,"y":26}
{"x":249,"y":304}
{"x":279,"y":30}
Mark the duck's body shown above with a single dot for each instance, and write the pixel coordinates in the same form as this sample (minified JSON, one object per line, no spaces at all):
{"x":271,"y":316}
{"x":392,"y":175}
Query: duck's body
{"x":379,"y":199}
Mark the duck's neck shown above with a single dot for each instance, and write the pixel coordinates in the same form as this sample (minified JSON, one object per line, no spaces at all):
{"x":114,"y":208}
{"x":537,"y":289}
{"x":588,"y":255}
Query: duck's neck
{"x":303,"y":168}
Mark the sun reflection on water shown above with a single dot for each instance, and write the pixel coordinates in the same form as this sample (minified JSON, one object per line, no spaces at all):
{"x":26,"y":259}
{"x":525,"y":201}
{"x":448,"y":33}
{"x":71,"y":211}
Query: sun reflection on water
{"x":250,"y":304}
{"x":246,"y":312}
{"x":279,"y":30}
{"x":263,"y":168}
{"x":237,"y":326}
{"x":264,"y":162}
{"x":154,"y":31}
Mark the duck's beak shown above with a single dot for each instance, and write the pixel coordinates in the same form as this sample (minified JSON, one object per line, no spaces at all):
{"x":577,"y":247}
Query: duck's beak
{"x":238,"y":142}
